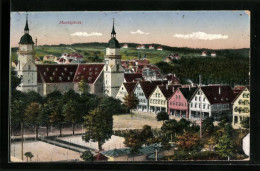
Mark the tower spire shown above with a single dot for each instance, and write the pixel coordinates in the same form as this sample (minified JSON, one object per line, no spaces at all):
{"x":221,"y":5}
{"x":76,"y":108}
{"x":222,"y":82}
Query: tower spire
{"x":113,"y":33}
{"x":26,"y":28}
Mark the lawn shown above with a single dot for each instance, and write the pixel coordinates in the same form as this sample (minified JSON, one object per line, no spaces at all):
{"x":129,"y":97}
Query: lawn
{"x":135,"y":121}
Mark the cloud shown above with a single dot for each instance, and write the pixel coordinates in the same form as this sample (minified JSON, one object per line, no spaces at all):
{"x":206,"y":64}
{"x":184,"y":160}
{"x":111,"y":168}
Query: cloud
{"x":139,"y":32}
{"x":201,"y":36}
{"x":85,"y":34}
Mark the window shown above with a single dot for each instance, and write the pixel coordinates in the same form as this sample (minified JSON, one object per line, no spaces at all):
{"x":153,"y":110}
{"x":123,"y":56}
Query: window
{"x":176,"y":96}
{"x":204,"y":99}
{"x":65,"y":69}
{"x":29,"y":67}
{"x":199,"y":98}
{"x":196,"y":98}
{"x":28,"y":81}
{"x":56,"y":69}
{"x":191,"y":105}
{"x":204,"y":106}
{"x":60,"y":78}
{"x":90,"y":69}
{"x":84,"y":69}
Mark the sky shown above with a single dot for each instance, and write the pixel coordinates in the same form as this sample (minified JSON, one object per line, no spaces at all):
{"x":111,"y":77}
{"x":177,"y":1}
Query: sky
{"x":194,"y":29}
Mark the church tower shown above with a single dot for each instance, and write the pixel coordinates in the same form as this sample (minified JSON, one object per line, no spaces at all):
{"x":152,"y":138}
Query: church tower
{"x":26,"y":68}
{"x":113,"y":71}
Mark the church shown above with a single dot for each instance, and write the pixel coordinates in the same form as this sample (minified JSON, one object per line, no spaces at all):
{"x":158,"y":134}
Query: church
{"x":102,"y":78}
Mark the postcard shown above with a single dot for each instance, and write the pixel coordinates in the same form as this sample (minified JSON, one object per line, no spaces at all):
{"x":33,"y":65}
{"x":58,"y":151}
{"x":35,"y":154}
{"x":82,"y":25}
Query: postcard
{"x":108,"y":86}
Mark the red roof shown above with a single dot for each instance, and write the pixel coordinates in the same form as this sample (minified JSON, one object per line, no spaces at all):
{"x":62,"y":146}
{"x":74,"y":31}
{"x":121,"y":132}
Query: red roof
{"x":172,"y":77}
{"x":218,"y":94}
{"x":89,"y":72}
{"x":168,"y":90}
{"x":129,"y":87}
{"x":133,"y":77}
{"x":149,"y":86}
{"x":55,"y":73}
{"x":100,"y":156}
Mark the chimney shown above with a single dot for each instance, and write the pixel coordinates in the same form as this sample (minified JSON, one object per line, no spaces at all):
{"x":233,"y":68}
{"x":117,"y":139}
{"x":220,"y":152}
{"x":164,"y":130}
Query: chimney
{"x":189,"y":87}
{"x":166,"y":86}
{"x":219,"y":90}
{"x":173,"y":89}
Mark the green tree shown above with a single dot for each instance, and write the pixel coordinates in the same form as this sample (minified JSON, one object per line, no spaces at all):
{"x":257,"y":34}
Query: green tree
{"x":83,"y":86}
{"x":44,"y":117}
{"x":32,"y":113}
{"x":207,"y":127}
{"x":133,"y":141}
{"x":183,"y":125}
{"x":32,"y":96}
{"x":146,"y":134}
{"x":224,"y":147}
{"x":245,"y":122}
{"x":56,"y":116}
{"x":170,"y":128}
{"x":71,"y":113}
{"x":131,"y":101}
{"x":99,"y":126}
{"x":162,"y":116}
{"x":87,"y":156}
{"x":28,"y":155}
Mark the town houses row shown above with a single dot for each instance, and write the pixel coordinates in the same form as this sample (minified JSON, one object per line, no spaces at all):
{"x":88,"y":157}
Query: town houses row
{"x":185,"y":101}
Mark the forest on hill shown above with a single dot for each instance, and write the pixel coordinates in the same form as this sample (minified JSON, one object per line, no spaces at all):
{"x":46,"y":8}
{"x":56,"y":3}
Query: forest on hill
{"x":231,"y":71}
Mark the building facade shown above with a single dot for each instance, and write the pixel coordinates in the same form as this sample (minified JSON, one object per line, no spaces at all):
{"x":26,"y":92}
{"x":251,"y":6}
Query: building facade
{"x":241,"y":108}
{"x":178,"y":104}
{"x":125,"y":89}
{"x":211,"y":101}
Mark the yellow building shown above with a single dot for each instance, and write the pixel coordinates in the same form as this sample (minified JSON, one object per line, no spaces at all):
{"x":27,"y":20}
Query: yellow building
{"x":158,"y":100}
{"x":241,"y":106}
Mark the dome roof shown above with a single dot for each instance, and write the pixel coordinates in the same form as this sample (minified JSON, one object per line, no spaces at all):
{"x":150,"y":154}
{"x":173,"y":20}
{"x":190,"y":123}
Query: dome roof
{"x":113,"y":43}
{"x":26,"y":39}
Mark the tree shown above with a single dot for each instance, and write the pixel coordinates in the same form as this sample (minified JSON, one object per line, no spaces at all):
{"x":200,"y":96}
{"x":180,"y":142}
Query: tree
{"x":99,"y":126}
{"x":162,"y":116}
{"x":131,"y":101}
{"x":224,"y":147}
{"x":71,"y":113}
{"x":32,"y":96}
{"x":44,"y":117}
{"x":146,"y":134}
{"x":32,"y":113}
{"x":83,"y":86}
{"x":87,"y":156}
{"x":207,"y":127}
{"x":183,"y":125}
{"x":170,"y":128}
{"x":133,"y":141}
{"x":28,"y":155}
{"x":245,"y":123}
{"x":188,"y":141}
{"x":56,"y":116}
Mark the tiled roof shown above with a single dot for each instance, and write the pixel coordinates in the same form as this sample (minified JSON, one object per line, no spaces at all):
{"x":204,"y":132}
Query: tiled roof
{"x":126,"y":151}
{"x":188,"y":92}
{"x":172,"y":77}
{"x":218,"y":94}
{"x":55,"y":73}
{"x":100,"y":156}
{"x":129,"y":87}
{"x":238,"y":90}
{"x":89,"y":72}
{"x":130,"y":77}
{"x":149,"y":86}
{"x":168,"y":90}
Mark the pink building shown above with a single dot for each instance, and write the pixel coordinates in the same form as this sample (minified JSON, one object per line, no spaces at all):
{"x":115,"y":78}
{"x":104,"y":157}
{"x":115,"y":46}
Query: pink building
{"x":179,"y":102}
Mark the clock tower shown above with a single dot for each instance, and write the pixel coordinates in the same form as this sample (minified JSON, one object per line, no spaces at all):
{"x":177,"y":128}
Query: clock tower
{"x":113,"y":71}
{"x":26,"y":68}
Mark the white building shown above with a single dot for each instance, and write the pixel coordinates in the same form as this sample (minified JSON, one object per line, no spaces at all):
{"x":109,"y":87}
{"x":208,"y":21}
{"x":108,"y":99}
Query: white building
{"x":125,"y":46}
{"x":26,"y":68}
{"x":211,"y":101}
{"x":151,"y":47}
{"x":213,"y":54}
{"x":113,"y":70}
{"x":160,"y":48}
{"x":204,"y":53}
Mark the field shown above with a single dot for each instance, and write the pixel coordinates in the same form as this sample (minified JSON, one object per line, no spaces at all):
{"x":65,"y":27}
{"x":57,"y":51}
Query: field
{"x":43,"y":152}
{"x":113,"y":142}
{"x":135,"y":121}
